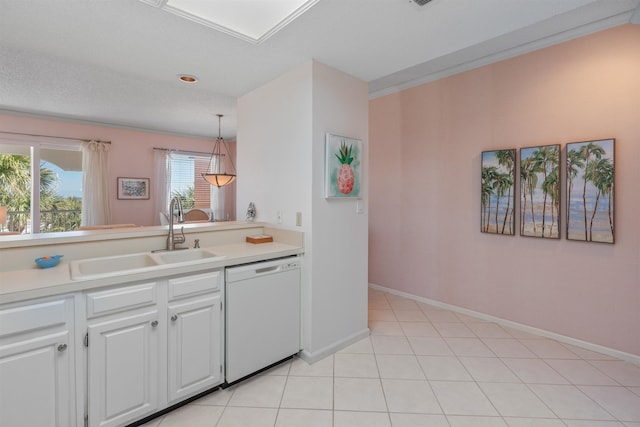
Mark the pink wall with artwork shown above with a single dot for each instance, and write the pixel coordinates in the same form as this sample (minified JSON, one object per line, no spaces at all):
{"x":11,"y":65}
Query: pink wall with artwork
{"x":131,"y":155}
{"x":425,"y":148}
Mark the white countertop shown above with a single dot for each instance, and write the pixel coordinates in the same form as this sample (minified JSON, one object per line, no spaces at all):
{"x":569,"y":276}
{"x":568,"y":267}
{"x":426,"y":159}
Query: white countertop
{"x":20,"y":285}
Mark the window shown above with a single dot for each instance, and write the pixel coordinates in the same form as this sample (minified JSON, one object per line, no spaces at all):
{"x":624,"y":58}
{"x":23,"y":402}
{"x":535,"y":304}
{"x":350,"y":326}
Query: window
{"x":44,"y":199}
{"x":187,"y":183}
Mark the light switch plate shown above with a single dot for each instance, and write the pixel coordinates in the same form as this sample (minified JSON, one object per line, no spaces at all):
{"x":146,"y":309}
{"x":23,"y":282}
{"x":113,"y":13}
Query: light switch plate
{"x":359,"y":206}
{"x":299,"y":219}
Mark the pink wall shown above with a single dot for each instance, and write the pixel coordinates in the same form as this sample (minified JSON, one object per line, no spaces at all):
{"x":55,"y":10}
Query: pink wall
{"x":131,"y":155}
{"x":425,"y":146}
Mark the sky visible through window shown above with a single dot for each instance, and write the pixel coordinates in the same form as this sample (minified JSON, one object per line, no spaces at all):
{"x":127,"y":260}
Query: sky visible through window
{"x":69,"y":183}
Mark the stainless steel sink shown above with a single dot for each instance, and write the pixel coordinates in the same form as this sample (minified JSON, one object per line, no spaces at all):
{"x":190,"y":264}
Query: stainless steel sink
{"x":187,"y":255}
{"x":95,"y":268}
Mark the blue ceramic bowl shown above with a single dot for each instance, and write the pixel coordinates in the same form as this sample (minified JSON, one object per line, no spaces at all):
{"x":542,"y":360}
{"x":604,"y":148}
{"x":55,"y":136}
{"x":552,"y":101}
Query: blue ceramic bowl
{"x":48,"y":262}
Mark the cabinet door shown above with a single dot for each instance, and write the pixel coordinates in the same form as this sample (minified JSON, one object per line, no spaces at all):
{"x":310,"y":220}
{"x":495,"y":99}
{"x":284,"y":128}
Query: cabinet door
{"x":122,"y":369}
{"x":36,"y":382}
{"x":195,"y":347}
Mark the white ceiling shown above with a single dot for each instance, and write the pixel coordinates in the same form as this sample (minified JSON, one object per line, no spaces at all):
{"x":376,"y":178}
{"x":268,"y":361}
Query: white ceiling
{"x":116,"y":61}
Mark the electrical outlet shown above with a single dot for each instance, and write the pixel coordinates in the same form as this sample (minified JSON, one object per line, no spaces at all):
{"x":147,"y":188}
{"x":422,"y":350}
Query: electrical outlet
{"x":299,"y":219}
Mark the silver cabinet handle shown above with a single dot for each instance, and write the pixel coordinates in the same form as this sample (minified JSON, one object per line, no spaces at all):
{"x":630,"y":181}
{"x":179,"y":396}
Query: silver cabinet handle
{"x":174,"y":317}
{"x":154,"y":323}
{"x":62,"y":347}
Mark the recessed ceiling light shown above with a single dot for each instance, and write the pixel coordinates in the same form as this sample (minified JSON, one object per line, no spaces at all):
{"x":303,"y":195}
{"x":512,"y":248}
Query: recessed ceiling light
{"x":252,"y":21}
{"x":187,"y":78}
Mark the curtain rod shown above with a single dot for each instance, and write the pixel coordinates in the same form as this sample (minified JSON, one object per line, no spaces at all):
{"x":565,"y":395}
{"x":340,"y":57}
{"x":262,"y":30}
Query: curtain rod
{"x":186,"y":152}
{"x":57,"y":137}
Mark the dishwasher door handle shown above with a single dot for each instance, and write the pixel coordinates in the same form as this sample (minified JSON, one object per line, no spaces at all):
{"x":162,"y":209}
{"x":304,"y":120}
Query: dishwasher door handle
{"x":267,"y":269}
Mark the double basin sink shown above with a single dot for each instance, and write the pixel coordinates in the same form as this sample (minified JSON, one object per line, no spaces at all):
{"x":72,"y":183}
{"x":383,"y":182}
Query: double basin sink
{"x":95,"y":268}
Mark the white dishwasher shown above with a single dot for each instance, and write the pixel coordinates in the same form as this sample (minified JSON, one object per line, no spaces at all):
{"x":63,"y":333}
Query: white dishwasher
{"x":262,"y":315}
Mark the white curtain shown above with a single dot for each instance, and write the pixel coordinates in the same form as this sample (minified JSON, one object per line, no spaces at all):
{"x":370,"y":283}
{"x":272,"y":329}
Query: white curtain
{"x":162,"y":186}
{"x":96,"y":206}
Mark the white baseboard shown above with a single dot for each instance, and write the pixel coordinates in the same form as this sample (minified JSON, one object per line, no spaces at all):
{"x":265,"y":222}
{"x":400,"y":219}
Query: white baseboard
{"x":312,"y":357}
{"x":515,"y":325}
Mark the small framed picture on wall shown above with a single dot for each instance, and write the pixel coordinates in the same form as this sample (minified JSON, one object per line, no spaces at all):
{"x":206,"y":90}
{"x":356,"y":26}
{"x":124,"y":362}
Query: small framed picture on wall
{"x":133,"y":188}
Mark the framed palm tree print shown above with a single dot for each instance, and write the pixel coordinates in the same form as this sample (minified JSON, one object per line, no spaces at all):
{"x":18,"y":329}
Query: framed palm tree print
{"x":498,"y":192}
{"x":540,"y":191}
{"x":590,"y":167}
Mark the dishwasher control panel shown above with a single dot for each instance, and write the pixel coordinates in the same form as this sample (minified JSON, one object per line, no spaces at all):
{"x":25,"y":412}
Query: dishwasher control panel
{"x":289,"y":266}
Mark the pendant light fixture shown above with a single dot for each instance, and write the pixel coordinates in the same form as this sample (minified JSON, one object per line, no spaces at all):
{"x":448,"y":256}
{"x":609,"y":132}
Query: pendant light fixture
{"x":215,"y":176}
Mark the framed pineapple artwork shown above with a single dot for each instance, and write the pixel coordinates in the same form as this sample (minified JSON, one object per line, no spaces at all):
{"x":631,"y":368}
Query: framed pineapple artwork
{"x":343,"y":167}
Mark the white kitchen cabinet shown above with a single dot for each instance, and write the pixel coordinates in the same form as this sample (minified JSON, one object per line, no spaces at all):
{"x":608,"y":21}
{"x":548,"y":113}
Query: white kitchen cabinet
{"x":122,"y":354}
{"x":152,"y":345}
{"x":194,"y":345}
{"x":195,"y":334}
{"x":37,"y":375}
{"x":123,"y":369}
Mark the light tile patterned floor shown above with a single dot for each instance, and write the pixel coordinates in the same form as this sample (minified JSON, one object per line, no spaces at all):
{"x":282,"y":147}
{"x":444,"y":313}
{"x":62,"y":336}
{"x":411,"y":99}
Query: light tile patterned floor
{"x":427,"y":367}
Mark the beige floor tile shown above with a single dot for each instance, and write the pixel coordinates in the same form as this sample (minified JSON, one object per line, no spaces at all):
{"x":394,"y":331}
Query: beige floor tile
{"x":361,"y":346}
{"x":589,"y":423}
{"x":261,"y":391}
{"x":384,"y":315}
{"x":304,"y":418}
{"x":399,"y":366}
{"x":418,"y":420}
{"x":385,"y":328}
{"x":489,"y":369}
{"x":410,"y":316}
{"x":430,"y":346}
{"x":359,"y":394}
{"x":505,"y":347}
{"x":443,"y":368}
{"x":462,"y":398}
{"x":308,"y":393}
{"x":453,"y":330}
{"x":246,"y":417}
{"x":410,"y":396}
{"x":384,"y":344}
{"x":361,"y":419}
{"x":533,"y":422}
{"x":515,"y":400}
{"x":579,"y":372}
{"x":442,"y":316}
{"x":217,"y":398}
{"x":419,"y":329}
{"x":488,"y":330}
{"x":618,"y":401}
{"x":470,"y":347}
{"x":567,"y":402}
{"x":625,"y":373}
{"x":356,"y":366}
{"x":549,"y":349}
{"x":471,"y":421}
{"x":193,"y":416}
{"x":321,"y":368}
{"x":534,"y":371}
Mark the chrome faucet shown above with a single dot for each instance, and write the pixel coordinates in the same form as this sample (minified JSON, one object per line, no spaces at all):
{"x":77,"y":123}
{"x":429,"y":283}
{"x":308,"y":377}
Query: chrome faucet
{"x":172,"y":240}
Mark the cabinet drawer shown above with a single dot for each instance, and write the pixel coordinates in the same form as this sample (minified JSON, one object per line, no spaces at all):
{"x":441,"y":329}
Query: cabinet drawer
{"x":33,"y":316}
{"x":181,"y":287}
{"x":123,"y":298}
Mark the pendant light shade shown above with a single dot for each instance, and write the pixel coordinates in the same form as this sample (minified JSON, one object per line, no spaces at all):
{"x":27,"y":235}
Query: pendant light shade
{"x":218,"y":175}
